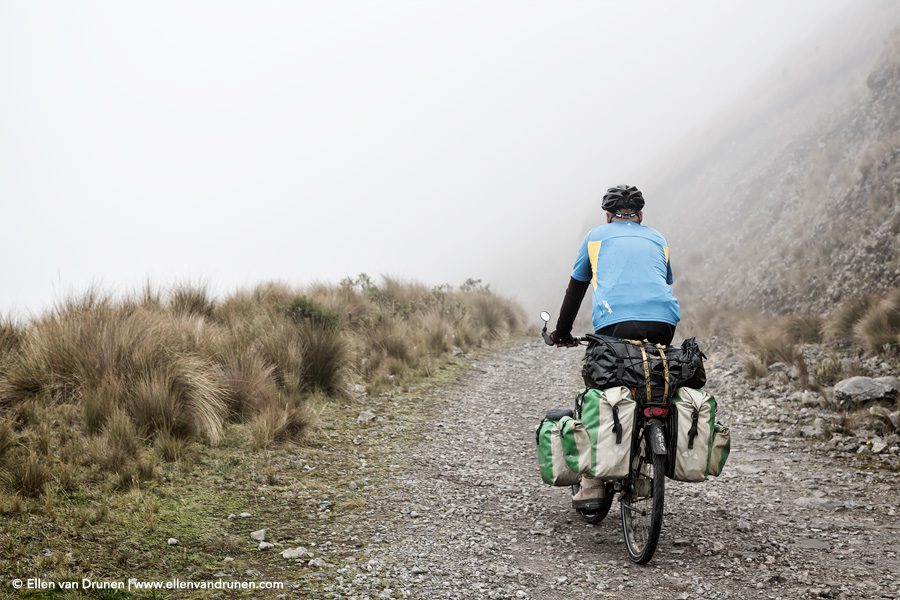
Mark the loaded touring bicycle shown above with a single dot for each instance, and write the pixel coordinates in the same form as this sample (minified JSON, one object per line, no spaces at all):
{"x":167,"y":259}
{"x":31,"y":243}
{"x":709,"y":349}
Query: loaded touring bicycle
{"x":643,"y":417}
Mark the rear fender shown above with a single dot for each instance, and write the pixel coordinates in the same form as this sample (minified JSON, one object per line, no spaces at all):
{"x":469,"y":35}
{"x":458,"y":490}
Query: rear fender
{"x":657,"y":437}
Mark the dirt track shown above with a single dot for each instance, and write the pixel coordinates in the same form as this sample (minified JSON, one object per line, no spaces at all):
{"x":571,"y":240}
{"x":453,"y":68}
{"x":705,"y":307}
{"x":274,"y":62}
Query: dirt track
{"x":788,"y":519}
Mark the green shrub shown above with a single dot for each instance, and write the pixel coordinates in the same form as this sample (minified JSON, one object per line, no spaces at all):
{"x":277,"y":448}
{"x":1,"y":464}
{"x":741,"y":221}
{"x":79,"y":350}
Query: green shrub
{"x":828,"y":370}
{"x":302,"y":309}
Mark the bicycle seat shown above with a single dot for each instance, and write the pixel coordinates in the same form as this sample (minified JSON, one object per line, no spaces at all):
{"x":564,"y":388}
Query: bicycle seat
{"x":555,"y":414}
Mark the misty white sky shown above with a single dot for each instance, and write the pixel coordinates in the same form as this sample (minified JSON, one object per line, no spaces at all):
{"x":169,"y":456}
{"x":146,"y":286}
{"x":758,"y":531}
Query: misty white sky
{"x":236,"y":142}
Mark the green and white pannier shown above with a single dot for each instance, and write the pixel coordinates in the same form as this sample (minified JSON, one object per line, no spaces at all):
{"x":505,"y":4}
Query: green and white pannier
{"x":563,"y":449}
{"x":608,"y":415}
{"x":700,"y":445}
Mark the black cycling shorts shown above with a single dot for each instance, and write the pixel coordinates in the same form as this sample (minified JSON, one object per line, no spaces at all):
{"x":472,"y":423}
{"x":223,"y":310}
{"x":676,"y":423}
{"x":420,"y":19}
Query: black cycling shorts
{"x":653,"y":331}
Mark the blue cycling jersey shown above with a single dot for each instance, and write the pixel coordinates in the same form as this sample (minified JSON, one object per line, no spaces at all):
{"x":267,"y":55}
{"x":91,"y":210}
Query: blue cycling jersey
{"x":628,"y":266}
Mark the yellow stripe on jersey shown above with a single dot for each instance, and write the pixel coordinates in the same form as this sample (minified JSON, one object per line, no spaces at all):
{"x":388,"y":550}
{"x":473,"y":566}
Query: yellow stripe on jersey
{"x":593,"y":252}
{"x":666,"y":250}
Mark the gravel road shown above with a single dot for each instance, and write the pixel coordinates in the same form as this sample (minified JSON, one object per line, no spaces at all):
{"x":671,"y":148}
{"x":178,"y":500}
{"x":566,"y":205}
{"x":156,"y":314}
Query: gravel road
{"x":789,"y":518}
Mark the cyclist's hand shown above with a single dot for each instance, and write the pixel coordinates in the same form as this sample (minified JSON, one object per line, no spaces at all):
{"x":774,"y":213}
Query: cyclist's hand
{"x":562,"y":340}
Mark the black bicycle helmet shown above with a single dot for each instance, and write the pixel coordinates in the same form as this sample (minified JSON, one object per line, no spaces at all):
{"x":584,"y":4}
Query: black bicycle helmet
{"x":623,"y":198}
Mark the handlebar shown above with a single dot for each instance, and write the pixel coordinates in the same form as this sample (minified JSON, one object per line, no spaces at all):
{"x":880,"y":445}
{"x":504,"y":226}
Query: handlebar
{"x":576,"y":341}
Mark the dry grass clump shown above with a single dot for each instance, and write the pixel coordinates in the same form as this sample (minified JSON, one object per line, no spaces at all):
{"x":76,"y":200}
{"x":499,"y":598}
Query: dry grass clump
{"x":878,"y":329}
{"x":191,"y":300}
{"x":838,"y":327}
{"x":280,"y":422}
{"x":754,"y":368}
{"x":324,"y":358}
{"x":25,"y":472}
{"x":707,"y":320}
{"x":125,"y":381}
{"x":105,"y":356}
{"x":804,"y":329}
{"x":870,"y":323}
{"x":182,"y":397}
{"x":7,"y":439}
{"x":11,"y":336}
{"x":409,"y":328}
{"x":766,"y":338}
{"x":769,"y":340}
{"x":121,"y":452}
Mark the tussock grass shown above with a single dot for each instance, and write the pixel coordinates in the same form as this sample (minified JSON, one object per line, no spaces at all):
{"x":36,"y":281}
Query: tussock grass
{"x":182,"y":397}
{"x":25,"y":473}
{"x":766,"y":338}
{"x":280,"y":422}
{"x":838,"y":327}
{"x":247,"y":379}
{"x":324,"y":360}
{"x":7,"y":439}
{"x":128,"y":382}
{"x":870,"y":324}
{"x":770,"y":343}
{"x":804,"y":329}
{"x":11,"y":336}
{"x":878,"y":329}
{"x":754,"y":368}
{"x":191,"y":300}
{"x":169,"y":448}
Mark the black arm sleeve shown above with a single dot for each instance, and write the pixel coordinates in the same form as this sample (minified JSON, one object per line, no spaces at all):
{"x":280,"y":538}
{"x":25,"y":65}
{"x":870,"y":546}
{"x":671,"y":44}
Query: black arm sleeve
{"x":571,"y":303}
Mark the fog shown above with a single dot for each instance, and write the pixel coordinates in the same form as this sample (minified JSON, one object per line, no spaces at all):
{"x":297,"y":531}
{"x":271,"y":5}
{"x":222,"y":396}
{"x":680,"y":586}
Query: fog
{"x":245,"y":141}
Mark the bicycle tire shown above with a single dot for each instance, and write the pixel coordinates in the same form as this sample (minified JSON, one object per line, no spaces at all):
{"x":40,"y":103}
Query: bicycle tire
{"x":643,"y":553}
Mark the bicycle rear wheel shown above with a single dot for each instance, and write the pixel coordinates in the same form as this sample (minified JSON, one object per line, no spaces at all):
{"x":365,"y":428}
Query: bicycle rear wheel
{"x":641,"y":504}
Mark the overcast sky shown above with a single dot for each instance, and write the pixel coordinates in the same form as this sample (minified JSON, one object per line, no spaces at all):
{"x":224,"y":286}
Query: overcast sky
{"x":236,"y":142}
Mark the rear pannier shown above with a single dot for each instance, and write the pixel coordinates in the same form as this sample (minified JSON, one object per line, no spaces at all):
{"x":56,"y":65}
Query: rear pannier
{"x":564,"y":450}
{"x":608,"y":415}
{"x":694,"y":423}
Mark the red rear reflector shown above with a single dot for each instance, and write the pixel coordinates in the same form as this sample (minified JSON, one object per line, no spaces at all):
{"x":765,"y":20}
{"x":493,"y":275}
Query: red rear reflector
{"x":656,"y":411}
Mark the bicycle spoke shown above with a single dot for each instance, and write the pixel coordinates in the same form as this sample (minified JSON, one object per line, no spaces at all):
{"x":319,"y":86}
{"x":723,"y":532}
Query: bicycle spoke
{"x":638,"y":503}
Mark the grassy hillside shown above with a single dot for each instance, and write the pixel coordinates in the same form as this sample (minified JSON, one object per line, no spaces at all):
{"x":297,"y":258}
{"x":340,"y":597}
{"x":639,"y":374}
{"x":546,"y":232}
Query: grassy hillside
{"x":860,"y":337}
{"x":126,"y":421}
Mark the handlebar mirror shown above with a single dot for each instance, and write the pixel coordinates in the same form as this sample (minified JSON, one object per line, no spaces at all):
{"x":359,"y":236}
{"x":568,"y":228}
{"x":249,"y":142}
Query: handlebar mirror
{"x":545,"y":316}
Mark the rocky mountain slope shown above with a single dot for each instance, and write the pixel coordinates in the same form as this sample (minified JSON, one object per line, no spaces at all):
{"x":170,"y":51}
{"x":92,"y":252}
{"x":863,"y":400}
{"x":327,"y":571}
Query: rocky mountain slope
{"x":791,"y":203}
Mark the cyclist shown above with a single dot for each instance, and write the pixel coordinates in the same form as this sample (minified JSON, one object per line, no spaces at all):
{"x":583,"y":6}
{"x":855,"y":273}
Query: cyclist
{"x":627,"y":265}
